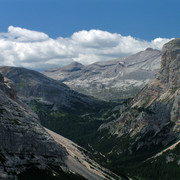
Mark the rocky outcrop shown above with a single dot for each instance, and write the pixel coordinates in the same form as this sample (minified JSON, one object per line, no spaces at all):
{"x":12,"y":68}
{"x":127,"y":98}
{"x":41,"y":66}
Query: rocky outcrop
{"x":8,"y":86}
{"x":170,"y":65}
{"x":153,"y":116}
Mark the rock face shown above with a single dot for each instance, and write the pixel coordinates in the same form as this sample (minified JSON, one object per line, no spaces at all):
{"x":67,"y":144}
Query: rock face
{"x":32,"y":85}
{"x":23,"y":141}
{"x":153,"y":116}
{"x":8,"y":87}
{"x":169,"y":73}
{"x":111,"y":80}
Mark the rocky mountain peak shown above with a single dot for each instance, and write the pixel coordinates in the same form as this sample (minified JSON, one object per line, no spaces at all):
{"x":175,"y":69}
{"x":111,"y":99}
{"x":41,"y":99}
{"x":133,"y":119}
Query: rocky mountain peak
{"x":156,"y":107}
{"x":165,"y":86}
{"x":74,"y":66}
{"x":170,"y":64}
{"x":149,"y":49}
{"x":75,"y":63}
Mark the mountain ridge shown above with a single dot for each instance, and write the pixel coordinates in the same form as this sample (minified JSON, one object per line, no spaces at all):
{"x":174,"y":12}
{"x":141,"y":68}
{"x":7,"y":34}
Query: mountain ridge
{"x":119,"y":78}
{"x":32,"y":85}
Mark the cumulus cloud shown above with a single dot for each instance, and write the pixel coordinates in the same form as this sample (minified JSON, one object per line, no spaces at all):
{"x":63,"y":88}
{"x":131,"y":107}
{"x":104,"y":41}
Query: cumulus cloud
{"x":36,"y":50}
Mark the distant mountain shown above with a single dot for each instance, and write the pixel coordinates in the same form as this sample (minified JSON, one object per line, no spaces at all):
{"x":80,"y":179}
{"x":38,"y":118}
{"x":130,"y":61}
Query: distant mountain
{"x":29,"y":151}
{"x":146,"y":129}
{"x":32,"y":85}
{"x":66,"y":71}
{"x":111,"y":80}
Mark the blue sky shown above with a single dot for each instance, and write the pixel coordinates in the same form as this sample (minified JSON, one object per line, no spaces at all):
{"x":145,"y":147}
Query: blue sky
{"x":144,"y":19}
{"x":40,"y":34}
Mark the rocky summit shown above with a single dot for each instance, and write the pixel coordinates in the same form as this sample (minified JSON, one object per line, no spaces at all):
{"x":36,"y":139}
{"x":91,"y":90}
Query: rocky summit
{"x":152,"y":117}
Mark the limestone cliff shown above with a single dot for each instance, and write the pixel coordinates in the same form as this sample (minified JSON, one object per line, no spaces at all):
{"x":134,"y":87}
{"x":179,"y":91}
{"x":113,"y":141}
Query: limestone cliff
{"x":153,"y":116}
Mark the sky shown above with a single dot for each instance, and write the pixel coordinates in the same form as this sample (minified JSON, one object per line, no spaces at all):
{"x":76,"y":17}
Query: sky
{"x":41,"y":34}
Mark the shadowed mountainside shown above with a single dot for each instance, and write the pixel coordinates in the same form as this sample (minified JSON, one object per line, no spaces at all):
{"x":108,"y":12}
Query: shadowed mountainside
{"x":32,"y":85}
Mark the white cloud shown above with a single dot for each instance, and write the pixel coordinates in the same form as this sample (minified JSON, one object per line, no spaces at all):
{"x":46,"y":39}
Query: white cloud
{"x":24,"y":35}
{"x":36,"y":50}
{"x":159,"y":42}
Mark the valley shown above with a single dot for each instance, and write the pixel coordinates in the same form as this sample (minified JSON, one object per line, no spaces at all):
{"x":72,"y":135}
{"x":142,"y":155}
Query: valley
{"x":121,"y":136}
{"x":29,"y":151}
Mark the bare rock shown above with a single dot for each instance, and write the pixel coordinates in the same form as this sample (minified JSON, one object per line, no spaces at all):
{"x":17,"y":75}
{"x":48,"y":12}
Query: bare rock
{"x":23,"y":141}
{"x":153,"y":116}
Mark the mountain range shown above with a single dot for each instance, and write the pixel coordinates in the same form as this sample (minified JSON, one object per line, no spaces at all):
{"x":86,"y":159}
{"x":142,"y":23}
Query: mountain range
{"x":112,"y":80}
{"x":136,"y":139}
